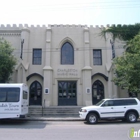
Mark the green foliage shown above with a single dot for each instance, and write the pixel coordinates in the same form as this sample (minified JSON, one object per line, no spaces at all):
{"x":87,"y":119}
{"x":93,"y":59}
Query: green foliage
{"x":127,"y":66}
{"x":7,"y":61}
{"x":125,"y":32}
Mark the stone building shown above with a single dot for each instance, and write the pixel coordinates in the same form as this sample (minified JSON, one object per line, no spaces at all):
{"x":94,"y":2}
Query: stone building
{"x":64,"y":65}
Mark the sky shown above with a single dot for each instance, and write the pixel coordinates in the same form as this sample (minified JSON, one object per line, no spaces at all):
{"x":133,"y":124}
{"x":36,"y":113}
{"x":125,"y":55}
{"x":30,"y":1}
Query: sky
{"x":84,"y":12}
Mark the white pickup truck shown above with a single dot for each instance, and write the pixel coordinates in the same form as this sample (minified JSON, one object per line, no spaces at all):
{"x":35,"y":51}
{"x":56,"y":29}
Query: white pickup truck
{"x":118,"y":108}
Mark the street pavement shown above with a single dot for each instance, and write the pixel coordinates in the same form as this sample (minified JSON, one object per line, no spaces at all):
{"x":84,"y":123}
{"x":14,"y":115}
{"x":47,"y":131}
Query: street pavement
{"x":66,"y":130}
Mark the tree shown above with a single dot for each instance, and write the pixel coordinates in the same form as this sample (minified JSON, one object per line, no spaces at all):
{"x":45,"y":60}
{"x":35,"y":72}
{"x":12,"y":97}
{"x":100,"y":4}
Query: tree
{"x":127,"y":66}
{"x":125,"y":32}
{"x":7,"y":61}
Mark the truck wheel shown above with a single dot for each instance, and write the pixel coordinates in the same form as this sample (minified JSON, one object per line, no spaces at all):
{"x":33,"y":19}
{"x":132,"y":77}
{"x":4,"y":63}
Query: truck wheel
{"x":131,"y":117}
{"x":92,"y":118}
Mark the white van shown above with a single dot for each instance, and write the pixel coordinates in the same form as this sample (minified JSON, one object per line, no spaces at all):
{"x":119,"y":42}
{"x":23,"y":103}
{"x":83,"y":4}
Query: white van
{"x":14,"y":100}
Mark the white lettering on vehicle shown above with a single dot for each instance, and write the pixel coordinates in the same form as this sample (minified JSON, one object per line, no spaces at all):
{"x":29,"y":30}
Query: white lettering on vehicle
{"x":9,"y":106}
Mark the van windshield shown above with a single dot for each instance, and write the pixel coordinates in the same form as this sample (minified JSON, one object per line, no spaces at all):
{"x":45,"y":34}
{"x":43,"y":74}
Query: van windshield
{"x":99,"y":103}
{"x":9,"y":94}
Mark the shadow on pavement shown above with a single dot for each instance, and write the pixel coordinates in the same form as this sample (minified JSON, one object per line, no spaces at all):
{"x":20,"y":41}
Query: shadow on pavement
{"x":112,"y":122}
{"x":22,"y":124}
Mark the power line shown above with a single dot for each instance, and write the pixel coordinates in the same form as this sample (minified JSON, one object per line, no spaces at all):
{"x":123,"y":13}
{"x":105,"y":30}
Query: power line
{"x":85,"y":7}
{"x":81,"y":6}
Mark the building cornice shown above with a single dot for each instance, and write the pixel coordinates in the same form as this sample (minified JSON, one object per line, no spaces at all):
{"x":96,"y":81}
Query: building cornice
{"x":87,"y":68}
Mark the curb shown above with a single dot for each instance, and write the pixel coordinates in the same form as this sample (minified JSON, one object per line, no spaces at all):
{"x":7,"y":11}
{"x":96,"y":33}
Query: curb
{"x":53,"y":119}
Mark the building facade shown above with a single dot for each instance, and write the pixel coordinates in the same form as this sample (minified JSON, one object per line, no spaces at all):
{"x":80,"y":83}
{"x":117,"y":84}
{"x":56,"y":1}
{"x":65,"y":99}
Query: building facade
{"x":64,"y":65}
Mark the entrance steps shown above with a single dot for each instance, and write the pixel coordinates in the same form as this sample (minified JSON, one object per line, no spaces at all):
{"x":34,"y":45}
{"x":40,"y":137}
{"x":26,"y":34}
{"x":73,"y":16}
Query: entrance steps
{"x":55,"y":111}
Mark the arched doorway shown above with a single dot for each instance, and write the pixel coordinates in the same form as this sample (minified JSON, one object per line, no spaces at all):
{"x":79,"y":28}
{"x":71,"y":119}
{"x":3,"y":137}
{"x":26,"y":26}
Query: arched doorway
{"x":35,"y":94}
{"x":97,"y":91}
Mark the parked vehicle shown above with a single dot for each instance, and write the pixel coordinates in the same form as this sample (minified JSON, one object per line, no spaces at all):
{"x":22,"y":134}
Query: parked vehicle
{"x":120,"y":108}
{"x":14,"y":100}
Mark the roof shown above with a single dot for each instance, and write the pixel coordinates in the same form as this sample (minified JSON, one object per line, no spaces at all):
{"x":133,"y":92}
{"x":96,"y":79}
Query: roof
{"x":121,"y":98}
{"x":11,"y":84}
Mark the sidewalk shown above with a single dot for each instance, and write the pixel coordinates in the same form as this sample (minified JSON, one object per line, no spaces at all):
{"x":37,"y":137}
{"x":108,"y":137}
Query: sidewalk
{"x":52,"y":118}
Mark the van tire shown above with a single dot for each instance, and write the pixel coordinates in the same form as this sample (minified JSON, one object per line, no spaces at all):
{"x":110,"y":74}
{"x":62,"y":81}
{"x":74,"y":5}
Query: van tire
{"x":92,"y":118}
{"x":131,"y":117}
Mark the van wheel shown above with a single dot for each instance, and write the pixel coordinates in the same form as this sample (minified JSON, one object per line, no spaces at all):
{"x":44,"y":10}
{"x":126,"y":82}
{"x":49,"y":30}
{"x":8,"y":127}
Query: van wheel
{"x":131,"y":117}
{"x":92,"y":118}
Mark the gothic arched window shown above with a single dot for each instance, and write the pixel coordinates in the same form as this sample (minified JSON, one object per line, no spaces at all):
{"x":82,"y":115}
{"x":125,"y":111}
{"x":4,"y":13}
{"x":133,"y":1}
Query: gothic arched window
{"x":67,"y":54}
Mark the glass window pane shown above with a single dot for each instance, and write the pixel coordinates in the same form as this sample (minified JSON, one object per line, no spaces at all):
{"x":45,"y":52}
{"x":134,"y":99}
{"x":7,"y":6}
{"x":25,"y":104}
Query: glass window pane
{"x":13,"y":94}
{"x":67,"y":54}
{"x":37,"y":56}
{"x":98,"y":90}
{"x":97,"y":58}
{"x":2,"y":94}
{"x":97,"y":53}
{"x":25,"y":95}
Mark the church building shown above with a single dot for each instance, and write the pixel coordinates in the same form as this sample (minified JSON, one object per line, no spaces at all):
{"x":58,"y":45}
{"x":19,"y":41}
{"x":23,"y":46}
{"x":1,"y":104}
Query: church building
{"x":64,"y":65}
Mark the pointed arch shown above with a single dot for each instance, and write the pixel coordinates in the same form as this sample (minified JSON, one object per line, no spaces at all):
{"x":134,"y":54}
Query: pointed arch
{"x":34,"y":74}
{"x":100,"y":74}
{"x":67,"y":39}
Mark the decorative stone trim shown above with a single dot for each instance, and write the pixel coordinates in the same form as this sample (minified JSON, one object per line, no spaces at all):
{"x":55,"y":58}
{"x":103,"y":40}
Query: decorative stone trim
{"x":10,"y":32}
{"x":100,"y":74}
{"x":34,"y":74}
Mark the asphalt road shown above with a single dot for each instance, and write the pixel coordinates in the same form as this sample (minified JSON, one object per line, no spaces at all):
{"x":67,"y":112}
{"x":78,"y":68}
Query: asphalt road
{"x":65,"y":130}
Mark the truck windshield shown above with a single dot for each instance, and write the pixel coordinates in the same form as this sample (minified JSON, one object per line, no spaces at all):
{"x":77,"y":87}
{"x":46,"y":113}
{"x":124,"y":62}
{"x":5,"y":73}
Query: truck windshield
{"x":9,"y":94}
{"x":99,"y":103}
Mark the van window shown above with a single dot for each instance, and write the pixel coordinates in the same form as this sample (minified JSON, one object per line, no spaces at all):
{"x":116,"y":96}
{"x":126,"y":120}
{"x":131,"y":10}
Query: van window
{"x":123,"y":102}
{"x":9,"y":94}
{"x":131,"y":102}
{"x":119,"y":102}
{"x":2,"y":95}
{"x":25,"y":95}
{"x":108,"y":103}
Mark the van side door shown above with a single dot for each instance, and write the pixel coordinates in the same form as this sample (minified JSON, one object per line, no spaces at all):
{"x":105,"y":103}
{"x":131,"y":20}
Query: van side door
{"x":107,"y":109}
{"x":122,"y":105}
